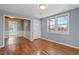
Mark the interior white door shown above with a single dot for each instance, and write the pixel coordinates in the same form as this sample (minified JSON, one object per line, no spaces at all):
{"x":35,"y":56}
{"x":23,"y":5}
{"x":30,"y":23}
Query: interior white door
{"x":36,"y":29}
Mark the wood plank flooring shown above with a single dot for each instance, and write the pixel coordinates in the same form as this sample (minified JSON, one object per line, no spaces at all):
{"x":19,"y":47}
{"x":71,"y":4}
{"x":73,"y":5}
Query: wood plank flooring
{"x":23,"y":46}
{"x":20,"y":46}
{"x":52,"y":48}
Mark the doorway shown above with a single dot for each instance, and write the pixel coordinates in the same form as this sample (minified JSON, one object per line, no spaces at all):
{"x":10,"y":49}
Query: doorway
{"x":15,"y":28}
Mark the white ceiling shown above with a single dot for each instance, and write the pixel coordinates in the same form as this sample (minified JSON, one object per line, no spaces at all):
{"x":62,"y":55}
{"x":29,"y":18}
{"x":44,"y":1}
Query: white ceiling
{"x":34,"y":11}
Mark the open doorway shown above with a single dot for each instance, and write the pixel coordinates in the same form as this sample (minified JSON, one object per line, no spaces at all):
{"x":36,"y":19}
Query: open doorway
{"x":15,"y":29}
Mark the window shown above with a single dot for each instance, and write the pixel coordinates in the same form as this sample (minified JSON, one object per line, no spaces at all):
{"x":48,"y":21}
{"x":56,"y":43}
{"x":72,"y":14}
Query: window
{"x":51,"y":25}
{"x":62,"y":23}
{"x":58,"y":24}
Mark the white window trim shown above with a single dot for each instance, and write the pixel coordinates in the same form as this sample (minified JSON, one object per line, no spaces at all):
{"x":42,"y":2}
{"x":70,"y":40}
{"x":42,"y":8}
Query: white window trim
{"x":56,"y":31}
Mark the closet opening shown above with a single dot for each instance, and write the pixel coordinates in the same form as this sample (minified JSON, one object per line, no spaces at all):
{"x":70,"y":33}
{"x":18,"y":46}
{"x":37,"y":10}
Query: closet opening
{"x":16,"y":29}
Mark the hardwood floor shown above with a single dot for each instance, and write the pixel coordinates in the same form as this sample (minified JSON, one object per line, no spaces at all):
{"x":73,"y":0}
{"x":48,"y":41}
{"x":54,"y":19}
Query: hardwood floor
{"x":20,"y":46}
{"x":52,"y":48}
{"x":23,"y":46}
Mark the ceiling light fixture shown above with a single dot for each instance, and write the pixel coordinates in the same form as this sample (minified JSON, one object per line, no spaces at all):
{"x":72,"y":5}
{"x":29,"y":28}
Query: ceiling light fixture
{"x":42,"y":6}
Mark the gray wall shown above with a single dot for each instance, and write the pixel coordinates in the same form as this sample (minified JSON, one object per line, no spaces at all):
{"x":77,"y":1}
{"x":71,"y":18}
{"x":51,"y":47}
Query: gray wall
{"x":72,"y":38}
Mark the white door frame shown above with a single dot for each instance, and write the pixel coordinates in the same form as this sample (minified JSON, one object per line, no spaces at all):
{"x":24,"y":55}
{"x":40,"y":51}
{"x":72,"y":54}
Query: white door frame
{"x":4,"y":27}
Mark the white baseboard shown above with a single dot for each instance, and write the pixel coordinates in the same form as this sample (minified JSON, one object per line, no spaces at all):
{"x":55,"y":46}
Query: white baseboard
{"x":62,"y":43}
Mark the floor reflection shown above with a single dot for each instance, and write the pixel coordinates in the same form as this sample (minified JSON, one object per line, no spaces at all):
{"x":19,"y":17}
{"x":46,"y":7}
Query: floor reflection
{"x":11,"y":40}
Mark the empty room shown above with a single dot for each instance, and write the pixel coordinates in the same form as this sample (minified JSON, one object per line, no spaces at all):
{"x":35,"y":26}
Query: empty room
{"x":39,"y":29}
